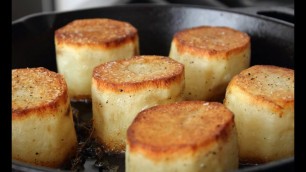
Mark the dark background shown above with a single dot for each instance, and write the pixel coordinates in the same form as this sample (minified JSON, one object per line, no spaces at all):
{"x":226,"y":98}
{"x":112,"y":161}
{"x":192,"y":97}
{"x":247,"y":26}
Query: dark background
{"x":22,"y":8}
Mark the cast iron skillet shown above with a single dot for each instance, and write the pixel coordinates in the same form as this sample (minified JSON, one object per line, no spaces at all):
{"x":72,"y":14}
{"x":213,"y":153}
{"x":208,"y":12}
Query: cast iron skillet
{"x":272,"y":42}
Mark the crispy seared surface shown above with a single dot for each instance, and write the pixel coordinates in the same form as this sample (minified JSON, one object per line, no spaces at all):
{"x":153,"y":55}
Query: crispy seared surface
{"x":34,"y":89}
{"x":99,"y":32}
{"x":211,"y":40}
{"x":138,"y":72}
{"x":266,"y":83}
{"x":182,"y":127}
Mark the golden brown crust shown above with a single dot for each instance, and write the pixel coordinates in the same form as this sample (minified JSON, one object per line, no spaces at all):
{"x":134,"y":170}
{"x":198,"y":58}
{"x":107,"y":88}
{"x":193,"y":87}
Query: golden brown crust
{"x":36,"y":89}
{"x":211,"y":41}
{"x":139,"y":72}
{"x":99,"y":32}
{"x":179,"y":128}
{"x":267,"y":84}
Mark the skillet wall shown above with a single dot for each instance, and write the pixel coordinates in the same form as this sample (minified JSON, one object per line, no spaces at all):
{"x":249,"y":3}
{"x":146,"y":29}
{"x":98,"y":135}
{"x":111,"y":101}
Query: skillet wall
{"x":272,"y":42}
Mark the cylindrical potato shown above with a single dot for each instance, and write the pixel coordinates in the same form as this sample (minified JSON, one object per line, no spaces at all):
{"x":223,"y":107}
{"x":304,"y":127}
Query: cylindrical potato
{"x":122,"y":88}
{"x":211,"y":56}
{"x":42,"y":124}
{"x":188,"y":136}
{"x":262,"y":99}
{"x":85,"y":43}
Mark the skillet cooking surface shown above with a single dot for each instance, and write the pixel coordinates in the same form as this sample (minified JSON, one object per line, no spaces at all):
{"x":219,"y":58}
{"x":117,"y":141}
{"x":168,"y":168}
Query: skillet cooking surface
{"x":272,"y":41}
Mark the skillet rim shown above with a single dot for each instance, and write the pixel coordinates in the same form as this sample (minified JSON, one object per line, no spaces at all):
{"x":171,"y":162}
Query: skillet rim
{"x":143,"y":5}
